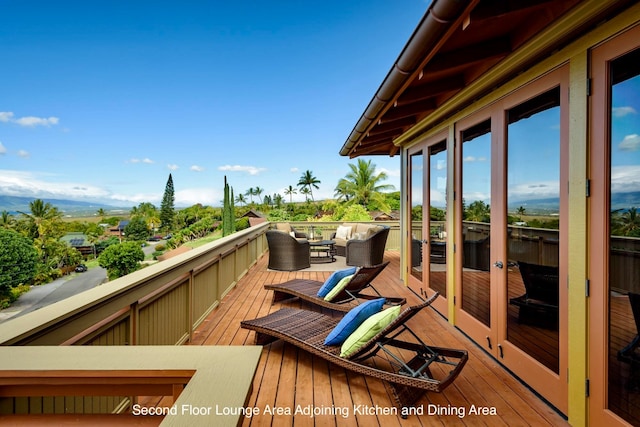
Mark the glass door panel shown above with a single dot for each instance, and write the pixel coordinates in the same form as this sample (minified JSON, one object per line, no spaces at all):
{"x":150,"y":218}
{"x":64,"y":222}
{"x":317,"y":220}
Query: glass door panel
{"x":533,"y":227}
{"x":416,"y":164}
{"x":476,"y":218}
{"x":624,"y":239}
{"x":437,"y":218}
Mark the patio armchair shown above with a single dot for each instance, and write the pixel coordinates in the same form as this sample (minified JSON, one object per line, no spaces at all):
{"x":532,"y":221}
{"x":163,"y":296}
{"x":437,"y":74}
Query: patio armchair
{"x":350,"y":296}
{"x":368,"y":251}
{"x":476,"y":254}
{"x":628,"y":354}
{"x":395,"y":354}
{"x":286,"y":253}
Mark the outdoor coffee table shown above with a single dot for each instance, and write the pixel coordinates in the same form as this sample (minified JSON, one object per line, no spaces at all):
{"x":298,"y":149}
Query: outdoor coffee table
{"x":324,"y":250}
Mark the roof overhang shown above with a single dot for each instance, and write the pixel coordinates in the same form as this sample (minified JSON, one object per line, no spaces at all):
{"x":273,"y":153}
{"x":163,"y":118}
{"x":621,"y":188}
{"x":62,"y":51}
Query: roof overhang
{"x":455,"y":44}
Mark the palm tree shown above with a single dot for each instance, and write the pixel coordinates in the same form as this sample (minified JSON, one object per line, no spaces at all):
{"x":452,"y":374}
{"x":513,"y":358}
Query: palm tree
{"x":521,"y":210}
{"x":306,"y":192}
{"x":241,"y":200}
{"x":101,"y":213}
{"x":362,"y":184}
{"x":277,"y":200}
{"x":308,"y":181}
{"x":629,"y":222}
{"x":41,"y":213}
{"x":258,"y":192}
{"x":342,"y":190}
{"x":6,"y":220}
{"x":250,"y":192}
{"x":290,"y":192}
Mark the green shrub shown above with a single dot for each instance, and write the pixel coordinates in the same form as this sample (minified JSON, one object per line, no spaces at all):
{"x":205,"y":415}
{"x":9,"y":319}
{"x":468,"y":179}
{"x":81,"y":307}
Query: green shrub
{"x":242,"y":223}
{"x":160,"y":247}
{"x":13,"y":295}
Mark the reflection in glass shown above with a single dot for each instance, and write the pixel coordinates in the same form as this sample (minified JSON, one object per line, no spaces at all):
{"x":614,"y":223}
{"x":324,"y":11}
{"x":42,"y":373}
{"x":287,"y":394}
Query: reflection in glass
{"x":437,"y":217}
{"x":416,"y":164}
{"x":624,"y":245}
{"x":476,"y":215}
{"x":533,"y":209}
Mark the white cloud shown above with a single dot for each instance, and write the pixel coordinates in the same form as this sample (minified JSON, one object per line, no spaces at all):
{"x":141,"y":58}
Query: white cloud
{"x":22,"y":153}
{"x":28,"y":121}
{"x":196,"y":168}
{"x":630,"y":143}
{"x":173,"y":167}
{"x":625,"y":178}
{"x":36,"y":121}
{"x":534,"y":190}
{"x":33,"y":184}
{"x":3,"y":150}
{"x":145,"y":160}
{"x":206,"y":196}
{"x":251,"y":170}
{"x":389,"y":172}
{"x":623,"y":111}
{"x":294,"y":170}
{"x":6,"y":116}
{"x":474,"y":159}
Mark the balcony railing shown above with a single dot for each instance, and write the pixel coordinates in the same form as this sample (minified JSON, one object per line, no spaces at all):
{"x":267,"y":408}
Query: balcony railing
{"x":159,"y":305}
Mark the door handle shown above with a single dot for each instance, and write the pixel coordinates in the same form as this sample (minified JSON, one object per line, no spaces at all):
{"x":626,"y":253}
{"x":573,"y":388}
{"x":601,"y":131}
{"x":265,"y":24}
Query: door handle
{"x":498,"y":264}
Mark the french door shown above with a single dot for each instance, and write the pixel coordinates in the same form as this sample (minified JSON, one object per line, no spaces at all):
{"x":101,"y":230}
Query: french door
{"x":510,"y":232}
{"x":614,"y":263}
{"x":428,"y":194}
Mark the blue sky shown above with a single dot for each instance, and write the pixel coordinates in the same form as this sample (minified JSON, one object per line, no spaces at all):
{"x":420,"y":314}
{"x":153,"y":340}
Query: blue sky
{"x":100,"y":101}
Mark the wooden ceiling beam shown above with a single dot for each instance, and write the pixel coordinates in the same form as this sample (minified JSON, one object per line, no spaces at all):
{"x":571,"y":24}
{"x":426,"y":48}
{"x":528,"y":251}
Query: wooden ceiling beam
{"x":480,"y":52}
{"x":431,"y":89}
{"x":414,"y":109}
{"x":388,"y":125}
{"x":492,"y":10}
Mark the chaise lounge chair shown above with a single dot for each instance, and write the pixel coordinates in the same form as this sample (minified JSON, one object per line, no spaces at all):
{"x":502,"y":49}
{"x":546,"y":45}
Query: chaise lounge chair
{"x":628,"y":354}
{"x":410,"y":367}
{"x":539,"y":304}
{"x":307,"y":290}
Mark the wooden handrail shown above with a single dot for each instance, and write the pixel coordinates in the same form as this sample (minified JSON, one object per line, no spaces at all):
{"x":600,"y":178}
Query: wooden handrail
{"x":16,"y":383}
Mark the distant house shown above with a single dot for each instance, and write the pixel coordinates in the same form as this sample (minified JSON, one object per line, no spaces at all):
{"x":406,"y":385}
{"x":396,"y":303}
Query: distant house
{"x":118,"y":230}
{"x":255,"y":217}
{"x":384,"y":216}
{"x":79,"y":241}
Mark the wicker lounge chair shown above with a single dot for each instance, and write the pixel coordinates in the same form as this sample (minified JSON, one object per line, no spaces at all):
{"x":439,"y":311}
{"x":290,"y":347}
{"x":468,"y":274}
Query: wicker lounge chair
{"x":409,"y":366}
{"x":308,"y":289}
{"x":539,"y":304}
{"x":287,"y":253}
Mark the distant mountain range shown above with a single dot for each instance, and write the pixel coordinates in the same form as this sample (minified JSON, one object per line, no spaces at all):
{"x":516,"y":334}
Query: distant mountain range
{"x":551,"y":205}
{"x":15,"y":204}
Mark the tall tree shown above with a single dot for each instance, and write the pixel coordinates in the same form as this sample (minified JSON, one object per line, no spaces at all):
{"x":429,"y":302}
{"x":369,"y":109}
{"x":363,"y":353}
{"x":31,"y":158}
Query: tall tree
{"x":228,"y":211}
{"x":167,"y":211}
{"x":307,"y":180}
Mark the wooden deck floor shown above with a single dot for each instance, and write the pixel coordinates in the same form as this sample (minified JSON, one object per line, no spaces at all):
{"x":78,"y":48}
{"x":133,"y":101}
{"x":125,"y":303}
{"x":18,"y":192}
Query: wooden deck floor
{"x":288,"y":378}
